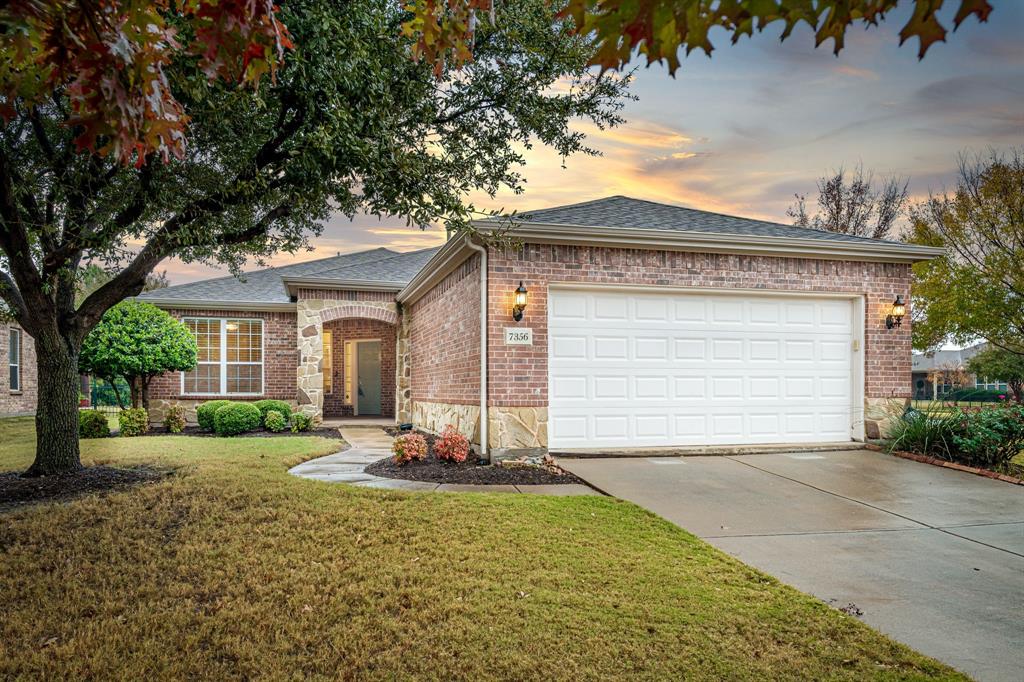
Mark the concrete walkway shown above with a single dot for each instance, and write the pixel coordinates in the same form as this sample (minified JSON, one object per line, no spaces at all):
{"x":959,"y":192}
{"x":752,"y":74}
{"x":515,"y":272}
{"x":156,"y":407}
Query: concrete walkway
{"x":371,"y":443}
{"x":933,"y":557}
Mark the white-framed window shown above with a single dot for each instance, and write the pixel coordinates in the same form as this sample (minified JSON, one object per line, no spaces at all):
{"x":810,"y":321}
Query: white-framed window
{"x":990,"y":385}
{"x":230,"y":358}
{"x":14,"y":359}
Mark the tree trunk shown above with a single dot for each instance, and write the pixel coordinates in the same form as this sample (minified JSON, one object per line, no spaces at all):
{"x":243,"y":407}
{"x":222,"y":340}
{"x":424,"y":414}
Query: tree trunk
{"x":145,"y":390}
{"x":117,"y":392}
{"x":57,"y":408}
{"x":133,"y":386}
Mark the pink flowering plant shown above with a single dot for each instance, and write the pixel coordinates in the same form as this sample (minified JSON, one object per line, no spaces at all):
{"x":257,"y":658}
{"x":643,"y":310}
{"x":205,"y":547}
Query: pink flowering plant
{"x":408,"y":447}
{"x":451,"y":445}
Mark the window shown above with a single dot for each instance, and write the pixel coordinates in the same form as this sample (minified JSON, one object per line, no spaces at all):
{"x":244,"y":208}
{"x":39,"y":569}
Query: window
{"x":990,"y":385}
{"x":350,"y":372}
{"x":328,"y":363}
{"x":230,"y":358}
{"x":14,"y":359}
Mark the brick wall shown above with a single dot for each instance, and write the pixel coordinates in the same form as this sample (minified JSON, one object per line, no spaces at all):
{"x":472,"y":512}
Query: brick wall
{"x":345,"y":295}
{"x":352,"y":330}
{"x":24,"y":400}
{"x":280,"y":356}
{"x":444,"y":339}
{"x":518,"y":375}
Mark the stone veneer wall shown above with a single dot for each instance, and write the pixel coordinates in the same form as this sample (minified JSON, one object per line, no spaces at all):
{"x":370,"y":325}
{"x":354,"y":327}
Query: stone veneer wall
{"x":444,"y":353}
{"x":316,"y":306}
{"x":518,"y":375}
{"x":22,"y":401}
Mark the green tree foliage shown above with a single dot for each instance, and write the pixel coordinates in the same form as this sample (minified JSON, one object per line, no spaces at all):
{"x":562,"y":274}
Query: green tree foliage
{"x":446,"y":30}
{"x":996,"y":364}
{"x":137,"y":341}
{"x":350,"y":124}
{"x":977,"y":289}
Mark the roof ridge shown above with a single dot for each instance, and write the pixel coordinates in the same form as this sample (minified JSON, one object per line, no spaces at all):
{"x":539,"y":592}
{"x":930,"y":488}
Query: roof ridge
{"x":397,"y":254}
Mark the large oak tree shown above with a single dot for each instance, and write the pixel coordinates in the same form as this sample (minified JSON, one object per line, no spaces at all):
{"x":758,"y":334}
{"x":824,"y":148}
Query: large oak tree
{"x":350,"y":123}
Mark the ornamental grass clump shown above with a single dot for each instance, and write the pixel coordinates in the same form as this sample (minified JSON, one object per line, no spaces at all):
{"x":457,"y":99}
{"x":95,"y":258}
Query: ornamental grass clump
{"x":451,"y":445}
{"x":408,"y":447}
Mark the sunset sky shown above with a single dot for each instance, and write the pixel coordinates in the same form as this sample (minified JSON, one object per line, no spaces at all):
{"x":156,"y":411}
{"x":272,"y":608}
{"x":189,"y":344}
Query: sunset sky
{"x":741,"y":132}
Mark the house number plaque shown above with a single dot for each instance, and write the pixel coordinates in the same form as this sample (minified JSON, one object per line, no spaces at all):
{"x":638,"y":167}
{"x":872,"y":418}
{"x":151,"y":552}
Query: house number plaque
{"x":515,"y":336}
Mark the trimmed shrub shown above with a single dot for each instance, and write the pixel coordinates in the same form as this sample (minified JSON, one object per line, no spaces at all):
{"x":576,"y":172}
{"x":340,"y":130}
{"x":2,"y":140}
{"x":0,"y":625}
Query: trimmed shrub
{"x":990,"y":438}
{"x":274,"y":421}
{"x":265,"y":406}
{"x":174,"y":420}
{"x":451,"y":445}
{"x":235,"y":418}
{"x":974,"y":395}
{"x":301,"y":422}
{"x":92,"y":424}
{"x":206,"y":413}
{"x":133,"y":421}
{"x":408,"y":447}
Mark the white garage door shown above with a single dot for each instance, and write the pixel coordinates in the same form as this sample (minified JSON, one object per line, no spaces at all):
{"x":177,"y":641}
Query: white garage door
{"x":631,"y":369}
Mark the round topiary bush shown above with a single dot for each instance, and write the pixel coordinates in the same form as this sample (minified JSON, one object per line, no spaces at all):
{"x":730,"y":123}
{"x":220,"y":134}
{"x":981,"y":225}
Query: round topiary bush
{"x":206,"y":412}
{"x":92,"y":424}
{"x":274,"y":421}
{"x":235,"y":418}
{"x":133,"y":422}
{"x":265,"y":406}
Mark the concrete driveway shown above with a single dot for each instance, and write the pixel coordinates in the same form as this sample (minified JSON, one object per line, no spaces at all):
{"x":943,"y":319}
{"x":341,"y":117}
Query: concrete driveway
{"x":933,"y":557}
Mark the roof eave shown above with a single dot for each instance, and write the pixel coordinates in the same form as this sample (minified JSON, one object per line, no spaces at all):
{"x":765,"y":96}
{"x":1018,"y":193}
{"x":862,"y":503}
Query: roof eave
{"x":191,"y":304}
{"x":440,"y":265}
{"x":714,"y":242}
{"x":292,"y":284}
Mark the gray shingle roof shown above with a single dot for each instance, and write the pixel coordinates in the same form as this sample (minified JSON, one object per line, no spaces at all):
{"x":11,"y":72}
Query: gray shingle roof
{"x":640,"y":214}
{"x":381,"y":265}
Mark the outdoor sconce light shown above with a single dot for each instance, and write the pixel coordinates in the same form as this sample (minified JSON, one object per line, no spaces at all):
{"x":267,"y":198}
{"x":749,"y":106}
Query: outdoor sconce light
{"x":519,"y":303}
{"x":895,"y":318}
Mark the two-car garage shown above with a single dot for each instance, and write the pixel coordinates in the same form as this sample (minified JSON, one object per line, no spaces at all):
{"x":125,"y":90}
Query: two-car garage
{"x":644,"y":367}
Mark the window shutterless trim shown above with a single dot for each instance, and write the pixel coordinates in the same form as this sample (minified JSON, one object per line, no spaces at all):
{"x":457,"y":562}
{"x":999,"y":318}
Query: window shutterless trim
{"x":223,"y":363}
{"x":14,"y":368}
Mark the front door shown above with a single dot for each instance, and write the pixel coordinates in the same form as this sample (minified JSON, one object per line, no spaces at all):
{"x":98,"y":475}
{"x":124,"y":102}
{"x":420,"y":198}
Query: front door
{"x":368,"y":374}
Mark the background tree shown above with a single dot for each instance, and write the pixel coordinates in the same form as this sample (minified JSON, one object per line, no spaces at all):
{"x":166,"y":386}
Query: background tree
{"x":137,"y":341}
{"x":996,"y":364}
{"x":660,"y":29}
{"x":855,"y":205}
{"x":351,"y":124}
{"x":975,"y":291}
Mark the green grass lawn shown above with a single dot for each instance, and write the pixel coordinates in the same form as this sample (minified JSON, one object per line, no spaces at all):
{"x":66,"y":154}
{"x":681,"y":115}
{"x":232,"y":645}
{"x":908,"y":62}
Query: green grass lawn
{"x":232,"y":568}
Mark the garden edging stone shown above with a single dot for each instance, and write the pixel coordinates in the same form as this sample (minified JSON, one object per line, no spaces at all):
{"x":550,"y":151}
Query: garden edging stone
{"x":925,"y":459}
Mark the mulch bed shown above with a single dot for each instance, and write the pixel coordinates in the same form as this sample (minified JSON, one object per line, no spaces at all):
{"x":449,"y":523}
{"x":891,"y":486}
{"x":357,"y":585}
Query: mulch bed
{"x":434,"y":470}
{"x":17,"y":492}
{"x":196,"y":431}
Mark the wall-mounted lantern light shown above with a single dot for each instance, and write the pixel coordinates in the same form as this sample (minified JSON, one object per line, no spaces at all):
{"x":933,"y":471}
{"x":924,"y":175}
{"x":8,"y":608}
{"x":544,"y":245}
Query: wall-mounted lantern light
{"x":895,"y":318}
{"x":519,"y":303}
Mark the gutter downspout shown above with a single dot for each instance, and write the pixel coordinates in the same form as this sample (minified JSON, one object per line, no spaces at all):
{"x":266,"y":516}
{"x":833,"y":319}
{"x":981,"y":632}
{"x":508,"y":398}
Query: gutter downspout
{"x":483,"y":346}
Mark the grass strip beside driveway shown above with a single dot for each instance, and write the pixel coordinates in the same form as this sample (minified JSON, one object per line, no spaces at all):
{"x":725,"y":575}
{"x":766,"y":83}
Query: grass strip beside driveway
{"x":232,"y":568}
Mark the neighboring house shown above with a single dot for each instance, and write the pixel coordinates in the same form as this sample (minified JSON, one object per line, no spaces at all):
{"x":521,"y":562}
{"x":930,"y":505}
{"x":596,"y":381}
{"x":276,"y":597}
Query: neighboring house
{"x":18,"y":386}
{"x":933,"y":373}
{"x":644,"y":325}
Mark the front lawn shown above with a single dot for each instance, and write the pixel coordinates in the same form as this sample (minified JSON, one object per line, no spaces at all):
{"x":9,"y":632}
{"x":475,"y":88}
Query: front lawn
{"x":232,"y":568}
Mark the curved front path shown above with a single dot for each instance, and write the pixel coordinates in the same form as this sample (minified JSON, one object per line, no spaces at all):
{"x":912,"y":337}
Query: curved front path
{"x":371,"y":443}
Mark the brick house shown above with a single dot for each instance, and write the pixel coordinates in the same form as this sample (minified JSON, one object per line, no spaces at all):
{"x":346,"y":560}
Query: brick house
{"x":18,"y":386}
{"x":643,"y":324}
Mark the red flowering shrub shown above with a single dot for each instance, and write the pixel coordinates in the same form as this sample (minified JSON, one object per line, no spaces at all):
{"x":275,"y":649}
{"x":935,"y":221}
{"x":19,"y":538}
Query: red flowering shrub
{"x":451,"y":445}
{"x":408,"y":447}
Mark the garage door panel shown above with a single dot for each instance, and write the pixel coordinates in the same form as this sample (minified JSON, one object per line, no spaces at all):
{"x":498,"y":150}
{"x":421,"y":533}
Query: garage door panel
{"x":687,"y":369}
